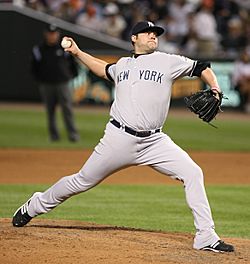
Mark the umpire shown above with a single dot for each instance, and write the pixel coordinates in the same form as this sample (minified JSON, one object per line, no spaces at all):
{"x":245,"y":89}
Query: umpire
{"x":53,"y":68}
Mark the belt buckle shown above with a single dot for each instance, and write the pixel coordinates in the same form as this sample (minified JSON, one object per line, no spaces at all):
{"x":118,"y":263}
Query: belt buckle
{"x":153,"y":131}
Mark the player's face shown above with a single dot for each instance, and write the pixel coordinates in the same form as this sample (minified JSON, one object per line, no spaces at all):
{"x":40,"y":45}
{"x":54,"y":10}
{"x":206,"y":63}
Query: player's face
{"x":145,"y":42}
{"x":52,"y":37}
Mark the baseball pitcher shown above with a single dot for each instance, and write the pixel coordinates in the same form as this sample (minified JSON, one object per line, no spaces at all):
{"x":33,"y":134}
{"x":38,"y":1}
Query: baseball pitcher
{"x":134,"y":136}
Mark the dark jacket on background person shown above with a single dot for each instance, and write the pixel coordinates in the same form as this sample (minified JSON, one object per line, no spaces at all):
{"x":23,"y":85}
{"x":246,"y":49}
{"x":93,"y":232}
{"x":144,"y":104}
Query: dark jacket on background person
{"x":53,"y":68}
{"x":51,"y":64}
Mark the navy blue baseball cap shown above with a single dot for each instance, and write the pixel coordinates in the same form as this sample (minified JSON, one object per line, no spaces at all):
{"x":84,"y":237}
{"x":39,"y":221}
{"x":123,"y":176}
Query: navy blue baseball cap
{"x":146,"y":26}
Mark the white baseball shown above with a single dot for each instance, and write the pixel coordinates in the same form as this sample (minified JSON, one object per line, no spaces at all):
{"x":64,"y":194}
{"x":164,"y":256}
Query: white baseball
{"x":66,"y":43}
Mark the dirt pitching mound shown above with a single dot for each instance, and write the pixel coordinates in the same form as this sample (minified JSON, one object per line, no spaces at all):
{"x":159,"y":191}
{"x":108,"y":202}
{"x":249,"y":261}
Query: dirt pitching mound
{"x":48,"y":241}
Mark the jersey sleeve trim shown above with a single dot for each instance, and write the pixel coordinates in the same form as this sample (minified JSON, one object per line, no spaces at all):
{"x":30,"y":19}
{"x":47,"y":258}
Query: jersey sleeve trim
{"x":192,"y":70}
{"x":107,"y":72}
{"x":199,"y":68}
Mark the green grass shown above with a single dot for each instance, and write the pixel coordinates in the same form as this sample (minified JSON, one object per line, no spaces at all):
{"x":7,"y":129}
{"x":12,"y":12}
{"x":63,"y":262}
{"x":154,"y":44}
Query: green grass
{"x":27,"y":129}
{"x":193,"y":134}
{"x":155,"y":207}
{"x":22,"y":128}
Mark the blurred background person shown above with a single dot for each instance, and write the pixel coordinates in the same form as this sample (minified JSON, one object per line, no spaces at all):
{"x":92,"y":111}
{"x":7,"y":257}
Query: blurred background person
{"x":53,"y":69}
{"x":90,"y":18}
{"x":133,"y":12}
{"x":223,"y":11}
{"x":189,"y":42}
{"x":77,"y":7}
{"x":169,"y":41}
{"x":235,"y":39}
{"x":205,"y":29}
{"x":241,"y":79}
{"x":113,"y":23}
{"x":179,"y":11}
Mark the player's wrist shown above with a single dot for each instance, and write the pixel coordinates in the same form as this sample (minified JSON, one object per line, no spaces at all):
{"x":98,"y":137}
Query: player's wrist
{"x":216,"y":89}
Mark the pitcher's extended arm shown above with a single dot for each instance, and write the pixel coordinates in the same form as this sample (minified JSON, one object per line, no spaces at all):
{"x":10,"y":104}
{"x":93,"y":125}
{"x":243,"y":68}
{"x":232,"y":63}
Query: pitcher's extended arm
{"x":96,"y":65}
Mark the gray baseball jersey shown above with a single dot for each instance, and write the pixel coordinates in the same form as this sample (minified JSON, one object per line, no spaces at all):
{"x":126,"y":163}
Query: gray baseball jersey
{"x":143,"y":88}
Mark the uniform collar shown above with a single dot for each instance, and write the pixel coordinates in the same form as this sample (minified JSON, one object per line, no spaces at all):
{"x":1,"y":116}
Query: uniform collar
{"x":134,"y":55}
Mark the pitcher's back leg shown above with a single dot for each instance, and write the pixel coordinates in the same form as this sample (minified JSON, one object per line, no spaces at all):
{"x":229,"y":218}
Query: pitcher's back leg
{"x":110,"y":154}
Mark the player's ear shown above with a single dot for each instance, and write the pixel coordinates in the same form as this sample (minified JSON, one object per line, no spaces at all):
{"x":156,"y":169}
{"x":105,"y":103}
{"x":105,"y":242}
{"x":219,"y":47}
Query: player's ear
{"x":133,"y":38}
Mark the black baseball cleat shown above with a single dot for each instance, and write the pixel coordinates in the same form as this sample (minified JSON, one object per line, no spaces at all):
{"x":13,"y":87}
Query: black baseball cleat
{"x":21,"y":217}
{"x":219,"y":246}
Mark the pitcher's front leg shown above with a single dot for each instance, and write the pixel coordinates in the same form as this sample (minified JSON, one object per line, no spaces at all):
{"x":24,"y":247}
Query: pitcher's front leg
{"x":171,"y":160}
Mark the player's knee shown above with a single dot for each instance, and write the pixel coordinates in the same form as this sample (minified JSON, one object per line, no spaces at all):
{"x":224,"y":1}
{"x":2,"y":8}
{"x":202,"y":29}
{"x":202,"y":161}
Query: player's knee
{"x":76,"y":183}
{"x":194,"y":173}
{"x":199,"y":173}
{"x":84,"y":181}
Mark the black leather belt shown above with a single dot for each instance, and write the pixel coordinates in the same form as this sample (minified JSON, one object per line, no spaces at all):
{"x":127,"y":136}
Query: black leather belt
{"x":132,"y":131}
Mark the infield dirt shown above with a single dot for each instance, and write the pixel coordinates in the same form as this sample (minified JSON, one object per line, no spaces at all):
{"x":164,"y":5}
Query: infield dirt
{"x":50,"y":241}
